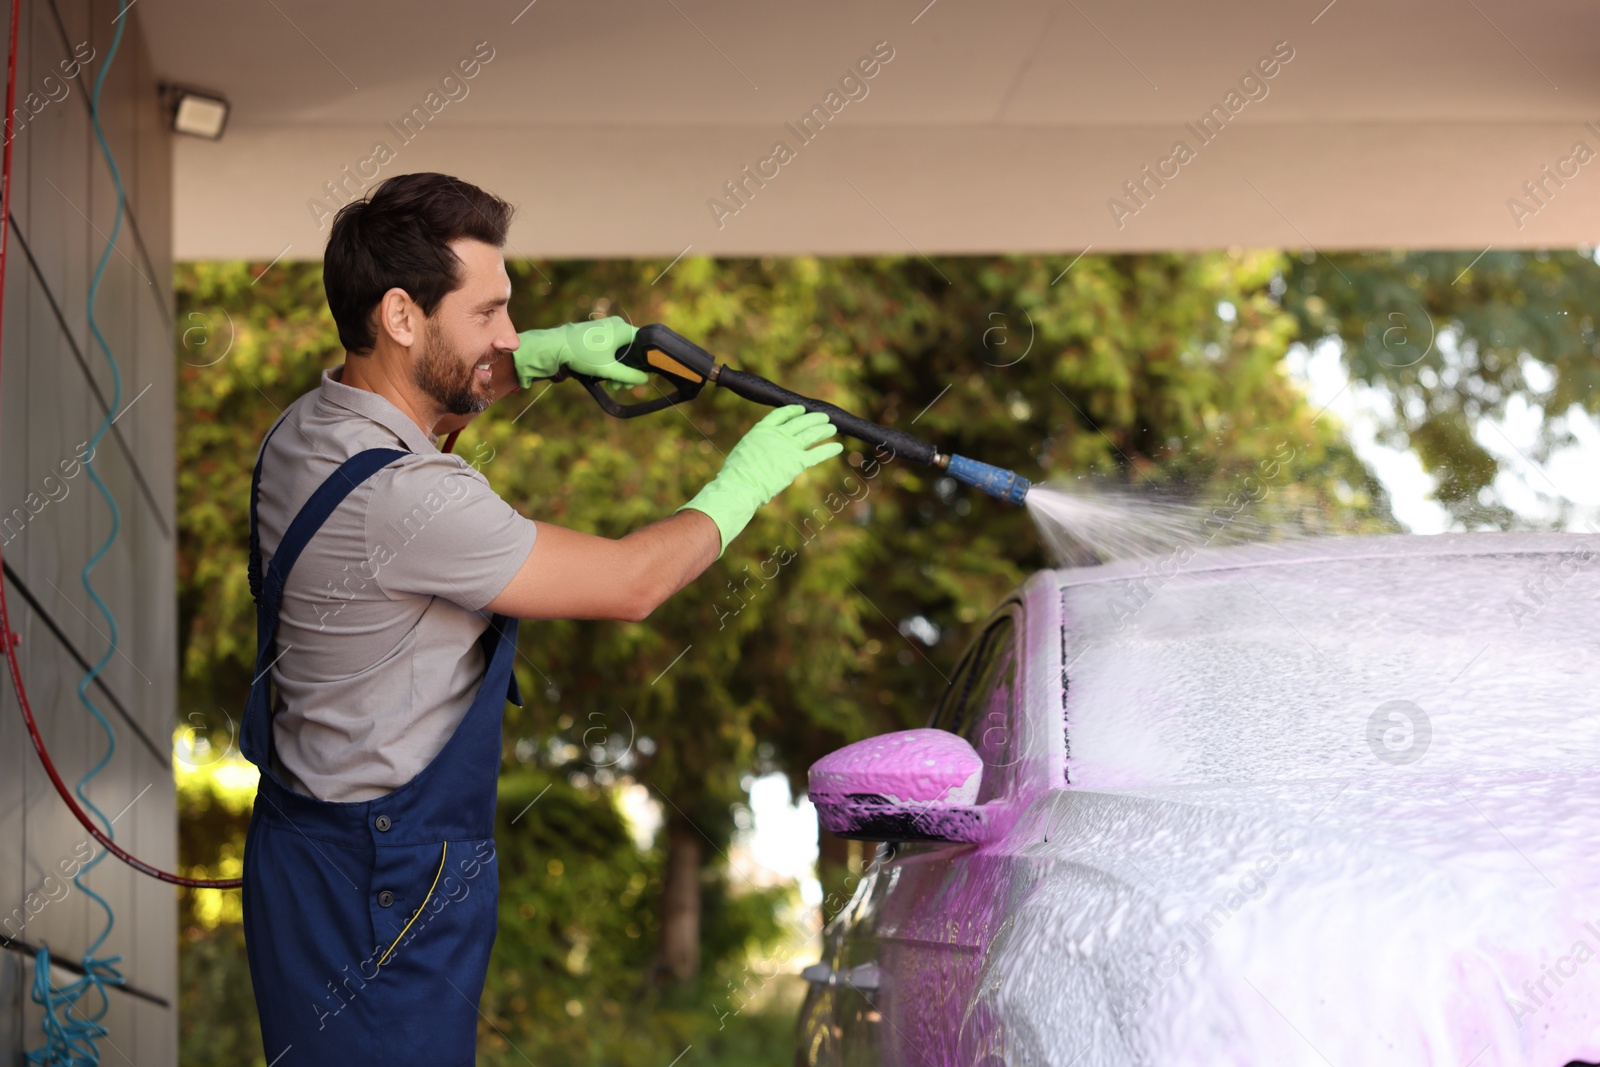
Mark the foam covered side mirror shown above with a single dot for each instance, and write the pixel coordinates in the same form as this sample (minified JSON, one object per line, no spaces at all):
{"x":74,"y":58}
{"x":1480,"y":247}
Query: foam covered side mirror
{"x":912,"y":785}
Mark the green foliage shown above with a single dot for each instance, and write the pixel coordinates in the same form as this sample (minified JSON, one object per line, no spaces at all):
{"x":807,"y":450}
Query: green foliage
{"x":1453,"y":338}
{"x":216,"y":1008}
{"x":795,"y":641}
{"x":572,"y":978}
{"x":244,"y":352}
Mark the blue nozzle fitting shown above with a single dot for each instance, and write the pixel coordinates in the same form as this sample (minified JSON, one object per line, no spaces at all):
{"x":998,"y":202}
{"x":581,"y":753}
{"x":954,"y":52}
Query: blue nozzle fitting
{"x":998,"y":482}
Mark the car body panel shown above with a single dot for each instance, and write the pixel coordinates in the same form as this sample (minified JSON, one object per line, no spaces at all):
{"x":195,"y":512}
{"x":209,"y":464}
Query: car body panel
{"x":1246,"y":859}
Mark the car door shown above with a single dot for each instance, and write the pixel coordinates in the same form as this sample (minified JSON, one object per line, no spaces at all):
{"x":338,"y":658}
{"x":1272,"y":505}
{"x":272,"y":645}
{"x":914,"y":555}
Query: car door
{"x":840,"y":1014}
{"x":916,"y":932}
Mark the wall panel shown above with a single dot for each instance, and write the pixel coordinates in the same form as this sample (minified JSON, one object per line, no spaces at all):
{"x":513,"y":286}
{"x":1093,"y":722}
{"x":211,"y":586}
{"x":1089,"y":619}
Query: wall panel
{"x":55,"y":389}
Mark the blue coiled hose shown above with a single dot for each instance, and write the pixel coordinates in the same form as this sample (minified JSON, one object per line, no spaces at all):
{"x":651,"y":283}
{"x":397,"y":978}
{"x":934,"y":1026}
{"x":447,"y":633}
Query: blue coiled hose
{"x":71,"y":1034}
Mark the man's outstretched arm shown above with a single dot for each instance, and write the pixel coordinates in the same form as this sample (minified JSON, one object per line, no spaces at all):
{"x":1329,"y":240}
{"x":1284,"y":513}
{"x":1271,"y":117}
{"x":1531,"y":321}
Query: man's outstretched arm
{"x":572,"y":575}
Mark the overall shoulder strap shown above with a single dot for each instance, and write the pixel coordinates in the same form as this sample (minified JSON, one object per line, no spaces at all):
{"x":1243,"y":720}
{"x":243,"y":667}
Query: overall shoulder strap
{"x":329,"y":495}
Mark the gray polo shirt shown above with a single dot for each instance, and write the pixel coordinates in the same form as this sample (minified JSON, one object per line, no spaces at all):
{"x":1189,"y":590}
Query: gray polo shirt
{"x":377,"y":654}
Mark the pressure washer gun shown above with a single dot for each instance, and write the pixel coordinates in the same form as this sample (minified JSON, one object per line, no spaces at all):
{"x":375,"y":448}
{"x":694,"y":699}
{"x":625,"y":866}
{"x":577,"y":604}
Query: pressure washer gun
{"x":689,"y":368}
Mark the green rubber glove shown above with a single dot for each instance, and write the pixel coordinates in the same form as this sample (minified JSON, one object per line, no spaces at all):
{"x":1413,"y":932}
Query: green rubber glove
{"x":588,"y":347}
{"x":763,"y":464}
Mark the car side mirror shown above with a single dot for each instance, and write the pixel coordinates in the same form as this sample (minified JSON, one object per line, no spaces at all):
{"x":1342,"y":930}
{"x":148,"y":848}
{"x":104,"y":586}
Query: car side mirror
{"x":912,"y":785}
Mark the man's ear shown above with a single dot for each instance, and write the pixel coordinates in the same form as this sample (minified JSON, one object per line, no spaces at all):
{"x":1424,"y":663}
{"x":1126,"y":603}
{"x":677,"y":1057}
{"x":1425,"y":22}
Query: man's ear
{"x":399,"y":318}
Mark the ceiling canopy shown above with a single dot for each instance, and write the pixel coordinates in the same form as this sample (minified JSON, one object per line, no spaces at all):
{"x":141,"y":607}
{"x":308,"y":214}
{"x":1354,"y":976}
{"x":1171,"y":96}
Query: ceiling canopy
{"x":726,"y":128}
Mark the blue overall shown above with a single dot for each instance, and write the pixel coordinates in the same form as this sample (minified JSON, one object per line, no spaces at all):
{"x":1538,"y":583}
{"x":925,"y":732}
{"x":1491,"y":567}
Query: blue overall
{"x":368,"y":925}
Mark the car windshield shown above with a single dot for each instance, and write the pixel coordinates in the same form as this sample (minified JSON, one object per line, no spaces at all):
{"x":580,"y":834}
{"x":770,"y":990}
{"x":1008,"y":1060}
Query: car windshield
{"x":1343,"y":666}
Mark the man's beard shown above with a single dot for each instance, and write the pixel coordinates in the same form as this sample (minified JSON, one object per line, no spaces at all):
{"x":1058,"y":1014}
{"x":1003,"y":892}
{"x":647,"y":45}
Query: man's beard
{"x":448,"y":380}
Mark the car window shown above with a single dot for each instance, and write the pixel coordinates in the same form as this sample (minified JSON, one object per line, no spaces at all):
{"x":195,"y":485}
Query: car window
{"x":951,"y":710}
{"x":980,"y":703}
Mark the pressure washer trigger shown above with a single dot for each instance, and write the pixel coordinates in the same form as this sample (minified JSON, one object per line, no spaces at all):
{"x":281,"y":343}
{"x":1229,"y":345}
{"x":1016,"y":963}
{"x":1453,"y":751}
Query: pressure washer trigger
{"x":659,"y":351}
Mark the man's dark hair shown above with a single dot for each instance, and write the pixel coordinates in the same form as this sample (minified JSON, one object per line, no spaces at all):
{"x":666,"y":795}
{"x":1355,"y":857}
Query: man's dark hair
{"x":399,"y":238}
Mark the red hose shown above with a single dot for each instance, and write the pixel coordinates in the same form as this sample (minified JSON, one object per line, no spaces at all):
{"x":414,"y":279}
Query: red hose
{"x":11,"y":639}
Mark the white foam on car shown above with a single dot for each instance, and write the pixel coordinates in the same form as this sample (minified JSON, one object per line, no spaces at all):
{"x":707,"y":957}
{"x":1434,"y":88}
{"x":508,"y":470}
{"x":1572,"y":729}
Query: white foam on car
{"x":1263,"y":858}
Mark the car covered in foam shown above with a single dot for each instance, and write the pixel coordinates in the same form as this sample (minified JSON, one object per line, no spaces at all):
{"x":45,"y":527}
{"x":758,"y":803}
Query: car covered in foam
{"x":1323,"y":802}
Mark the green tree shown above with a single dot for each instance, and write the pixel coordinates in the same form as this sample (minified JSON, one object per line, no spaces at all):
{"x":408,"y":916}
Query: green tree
{"x":1453,"y":339}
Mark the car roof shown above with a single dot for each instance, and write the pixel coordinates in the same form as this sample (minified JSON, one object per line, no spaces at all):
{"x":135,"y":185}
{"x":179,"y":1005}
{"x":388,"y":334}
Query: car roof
{"x":1313,"y":550}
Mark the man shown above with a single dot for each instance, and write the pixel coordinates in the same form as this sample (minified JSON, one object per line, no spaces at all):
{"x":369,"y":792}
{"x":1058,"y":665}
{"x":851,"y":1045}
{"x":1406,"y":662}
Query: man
{"x":389,"y":578}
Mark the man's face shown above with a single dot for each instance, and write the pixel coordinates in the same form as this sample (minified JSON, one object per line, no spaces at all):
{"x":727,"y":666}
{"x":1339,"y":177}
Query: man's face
{"x":468,"y":333}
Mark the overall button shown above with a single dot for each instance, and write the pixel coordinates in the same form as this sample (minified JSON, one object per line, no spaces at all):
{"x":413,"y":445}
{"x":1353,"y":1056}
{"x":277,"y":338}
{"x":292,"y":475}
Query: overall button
{"x":385,"y":899}
{"x":382,"y":823}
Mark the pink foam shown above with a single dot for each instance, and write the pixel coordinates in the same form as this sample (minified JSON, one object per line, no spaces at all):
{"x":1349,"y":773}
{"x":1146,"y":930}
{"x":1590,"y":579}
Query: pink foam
{"x":912,"y":766}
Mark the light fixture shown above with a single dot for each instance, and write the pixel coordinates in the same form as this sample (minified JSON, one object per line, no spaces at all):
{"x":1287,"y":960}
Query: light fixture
{"x":196,"y":112}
